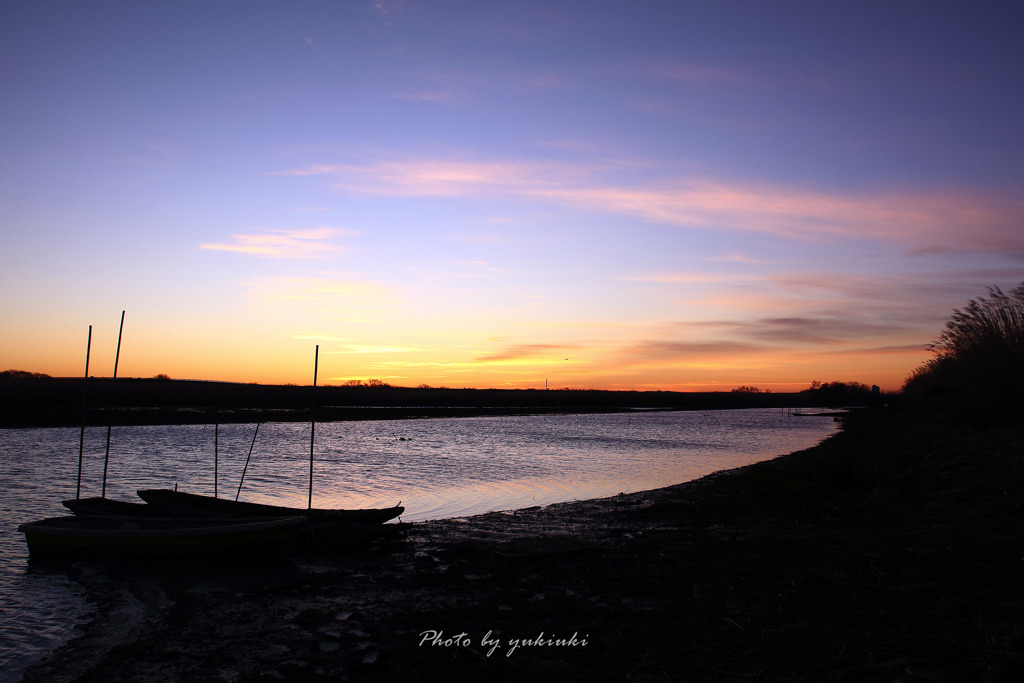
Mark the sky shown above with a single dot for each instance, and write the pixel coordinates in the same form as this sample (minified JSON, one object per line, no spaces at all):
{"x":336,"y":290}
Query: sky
{"x":644,"y":195}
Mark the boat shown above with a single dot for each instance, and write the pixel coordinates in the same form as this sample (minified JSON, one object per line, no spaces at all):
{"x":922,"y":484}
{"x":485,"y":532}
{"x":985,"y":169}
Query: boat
{"x":135,"y":537}
{"x":326,"y":533}
{"x":180,"y":500}
{"x":172,"y":524}
{"x":97,"y":506}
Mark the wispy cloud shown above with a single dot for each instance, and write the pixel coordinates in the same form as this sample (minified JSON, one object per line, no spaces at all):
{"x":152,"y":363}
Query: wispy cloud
{"x":535,"y":352}
{"x":696,"y":74}
{"x":736,"y":257}
{"x":314,"y":169}
{"x":820,"y":330}
{"x":370,"y":349}
{"x":283,"y":244}
{"x":684,"y":278}
{"x":924,"y":222}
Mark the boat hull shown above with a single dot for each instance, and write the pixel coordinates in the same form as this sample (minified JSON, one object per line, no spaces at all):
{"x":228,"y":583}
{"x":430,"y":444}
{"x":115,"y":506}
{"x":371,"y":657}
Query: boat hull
{"x":107,"y":507}
{"x":167,"y":498}
{"x":82,"y":536}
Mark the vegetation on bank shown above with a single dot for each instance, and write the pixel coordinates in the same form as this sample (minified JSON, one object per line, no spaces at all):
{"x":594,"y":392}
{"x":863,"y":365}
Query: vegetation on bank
{"x":977,"y":370}
{"x":59,"y":402}
{"x":30,"y":400}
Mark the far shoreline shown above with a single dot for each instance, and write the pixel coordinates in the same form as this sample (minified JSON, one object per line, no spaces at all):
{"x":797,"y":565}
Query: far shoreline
{"x":72,"y":402}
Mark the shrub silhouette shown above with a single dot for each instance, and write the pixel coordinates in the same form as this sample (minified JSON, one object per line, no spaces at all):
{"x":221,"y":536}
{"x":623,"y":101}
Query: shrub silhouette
{"x":978,"y":363}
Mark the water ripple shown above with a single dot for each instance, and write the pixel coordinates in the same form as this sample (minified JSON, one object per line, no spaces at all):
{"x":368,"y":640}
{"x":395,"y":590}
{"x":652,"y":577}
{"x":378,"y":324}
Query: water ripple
{"x":437,"y":468}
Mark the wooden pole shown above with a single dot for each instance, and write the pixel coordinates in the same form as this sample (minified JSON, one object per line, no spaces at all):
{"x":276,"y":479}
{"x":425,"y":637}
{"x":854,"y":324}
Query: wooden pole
{"x":106,"y":457}
{"x":247,"y":460}
{"x":216,"y":456}
{"x":85,"y":400}
{"x":312,"y":426}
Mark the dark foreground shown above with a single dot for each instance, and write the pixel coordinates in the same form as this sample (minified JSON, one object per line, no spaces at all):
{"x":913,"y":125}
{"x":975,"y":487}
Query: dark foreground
{"x":892,"y":552}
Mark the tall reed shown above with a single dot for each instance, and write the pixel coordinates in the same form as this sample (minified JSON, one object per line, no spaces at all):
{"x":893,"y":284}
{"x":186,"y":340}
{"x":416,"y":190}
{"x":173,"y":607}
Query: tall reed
{"x":977,"y":371}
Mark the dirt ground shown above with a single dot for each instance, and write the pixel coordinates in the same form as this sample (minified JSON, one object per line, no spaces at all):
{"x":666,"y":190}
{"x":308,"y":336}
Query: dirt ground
{"x":894,"y":551}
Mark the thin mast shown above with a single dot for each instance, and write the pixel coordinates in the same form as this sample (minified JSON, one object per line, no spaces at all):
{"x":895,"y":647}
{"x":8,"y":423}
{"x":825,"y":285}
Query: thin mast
{"x":247,"y":460}
{"x":312,"y":426}
{"x":216,"y":431}
{"x":216,"y":441}
{"x":117,"y":357}
{"x":81,"y":434}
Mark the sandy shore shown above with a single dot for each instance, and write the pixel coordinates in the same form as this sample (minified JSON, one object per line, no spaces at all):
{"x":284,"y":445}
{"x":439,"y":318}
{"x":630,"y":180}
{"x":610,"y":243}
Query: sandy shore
{"x":894,"y":551}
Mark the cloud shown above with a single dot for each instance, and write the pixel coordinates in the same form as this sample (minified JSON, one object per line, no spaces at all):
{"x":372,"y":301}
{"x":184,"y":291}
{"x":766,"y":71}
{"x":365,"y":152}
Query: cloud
{"x":521,"y":351}
{"x":696,"y":74}
{"x":369,"y":349}
{"x":685,"y":278}
{"x":810,"y":330}
{"x":737,"y":257}
{"x":668,"y":350}
{"x":315,"y":169}
{"x":908,"y":349}
{"x":285,"y":244}
{"x":922,"y":222}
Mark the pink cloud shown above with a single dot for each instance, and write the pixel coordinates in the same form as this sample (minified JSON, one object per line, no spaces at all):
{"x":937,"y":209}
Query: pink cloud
{"x":921,"y":221}
{"x":287,"y":244}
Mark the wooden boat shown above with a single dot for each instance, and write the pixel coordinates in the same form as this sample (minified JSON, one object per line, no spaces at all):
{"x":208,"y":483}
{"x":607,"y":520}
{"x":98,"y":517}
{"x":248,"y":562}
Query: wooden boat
{"x":179,"y":500}
{"x":319,"y":535}
{"x":169,"y":538}
{"x":97,"y":506}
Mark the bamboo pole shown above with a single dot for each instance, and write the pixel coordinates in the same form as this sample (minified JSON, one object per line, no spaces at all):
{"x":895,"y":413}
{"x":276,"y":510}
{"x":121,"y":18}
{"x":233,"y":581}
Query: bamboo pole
{"x":312,"y":426}
{"x":247,"y":460}
{"x":106,"y":457}
{"x":85,"y":402}
{"x":216,"y":455}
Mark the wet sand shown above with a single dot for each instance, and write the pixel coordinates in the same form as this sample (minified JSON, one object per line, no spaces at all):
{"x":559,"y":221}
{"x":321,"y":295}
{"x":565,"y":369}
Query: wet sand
{"x":894,"y":551}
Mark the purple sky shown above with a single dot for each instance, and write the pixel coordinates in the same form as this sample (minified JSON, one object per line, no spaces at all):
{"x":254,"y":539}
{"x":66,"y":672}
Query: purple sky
{"x":677,"y":195}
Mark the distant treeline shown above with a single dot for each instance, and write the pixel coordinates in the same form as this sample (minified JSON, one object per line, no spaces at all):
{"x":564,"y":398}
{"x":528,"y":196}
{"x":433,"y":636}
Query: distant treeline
{"x":28,"y":399}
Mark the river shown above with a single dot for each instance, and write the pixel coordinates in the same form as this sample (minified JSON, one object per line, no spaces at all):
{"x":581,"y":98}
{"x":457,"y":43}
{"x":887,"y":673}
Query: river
{"x":437,"y":468}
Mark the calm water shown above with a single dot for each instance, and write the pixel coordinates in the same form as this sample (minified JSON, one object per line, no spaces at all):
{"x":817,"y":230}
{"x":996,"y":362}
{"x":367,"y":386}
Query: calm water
{"x":436,"y":468}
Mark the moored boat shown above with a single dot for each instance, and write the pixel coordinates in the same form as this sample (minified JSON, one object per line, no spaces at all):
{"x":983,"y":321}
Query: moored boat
{"x":169,"y":538}
{"x":179,"y":500}
{"x":97,"y":506}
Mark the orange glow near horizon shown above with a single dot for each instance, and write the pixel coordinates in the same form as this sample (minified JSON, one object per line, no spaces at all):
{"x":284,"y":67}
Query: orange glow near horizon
{"x":649,"y":197}
{"x":525,"y":367}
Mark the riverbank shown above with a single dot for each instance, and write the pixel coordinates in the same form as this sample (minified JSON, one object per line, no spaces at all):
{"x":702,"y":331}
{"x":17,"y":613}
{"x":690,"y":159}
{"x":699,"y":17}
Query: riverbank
{"x":892,"y":551}
{"x":71,"y":402}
